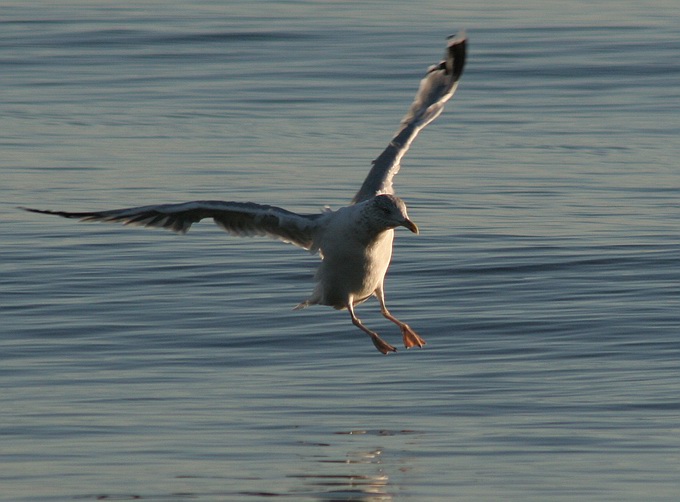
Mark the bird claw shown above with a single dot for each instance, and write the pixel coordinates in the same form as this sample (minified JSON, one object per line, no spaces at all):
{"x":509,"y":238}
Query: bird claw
{"x":382,"y":345}
{"x":411,"y":338}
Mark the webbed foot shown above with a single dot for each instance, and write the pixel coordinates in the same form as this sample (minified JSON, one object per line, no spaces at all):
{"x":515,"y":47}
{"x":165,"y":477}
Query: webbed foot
{"x":382,"y":345}
{"x":411,"y":338}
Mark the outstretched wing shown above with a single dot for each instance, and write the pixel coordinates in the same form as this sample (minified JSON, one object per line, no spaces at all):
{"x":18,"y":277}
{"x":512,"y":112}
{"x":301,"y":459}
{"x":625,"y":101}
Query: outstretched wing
{"x":436,"y":89}
{"x":237,"y":218}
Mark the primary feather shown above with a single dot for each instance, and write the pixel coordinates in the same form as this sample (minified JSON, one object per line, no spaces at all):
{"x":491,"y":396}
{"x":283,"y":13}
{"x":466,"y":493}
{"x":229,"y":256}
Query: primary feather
{"x":436,"y":88}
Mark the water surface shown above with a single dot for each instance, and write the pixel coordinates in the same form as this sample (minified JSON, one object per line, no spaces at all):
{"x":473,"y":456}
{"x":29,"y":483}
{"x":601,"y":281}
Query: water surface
{"x":141,"y":364}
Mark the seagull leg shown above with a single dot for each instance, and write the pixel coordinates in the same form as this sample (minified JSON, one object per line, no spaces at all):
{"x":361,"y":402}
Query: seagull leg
{"x":411,"y":338}
{"x":379,"y":343}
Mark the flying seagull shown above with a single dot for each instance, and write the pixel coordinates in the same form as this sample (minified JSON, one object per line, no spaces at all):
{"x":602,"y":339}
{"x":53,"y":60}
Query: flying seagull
{"x":354,"y":242}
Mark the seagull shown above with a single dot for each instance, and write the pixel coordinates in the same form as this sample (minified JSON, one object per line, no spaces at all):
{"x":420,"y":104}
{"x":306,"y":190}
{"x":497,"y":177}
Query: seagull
{"x":354,"y":242}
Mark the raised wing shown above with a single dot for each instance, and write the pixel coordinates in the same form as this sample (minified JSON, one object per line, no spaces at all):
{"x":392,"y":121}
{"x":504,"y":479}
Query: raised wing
{"x":237,"y":218}
{"x":435,"y":90}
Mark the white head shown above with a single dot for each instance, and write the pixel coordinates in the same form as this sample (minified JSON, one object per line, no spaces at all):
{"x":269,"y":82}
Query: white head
{"x":389,"y":211}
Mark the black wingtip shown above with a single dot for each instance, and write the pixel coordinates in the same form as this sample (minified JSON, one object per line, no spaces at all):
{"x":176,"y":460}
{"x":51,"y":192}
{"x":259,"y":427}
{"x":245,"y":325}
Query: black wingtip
{"x":31,"y":210}
{"x":456,"y":51}
{"x":461,"y":36}
{"x":63,"y":214}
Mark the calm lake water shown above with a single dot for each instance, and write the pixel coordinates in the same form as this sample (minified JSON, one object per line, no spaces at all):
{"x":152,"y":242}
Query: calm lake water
{"x":139,"y":364}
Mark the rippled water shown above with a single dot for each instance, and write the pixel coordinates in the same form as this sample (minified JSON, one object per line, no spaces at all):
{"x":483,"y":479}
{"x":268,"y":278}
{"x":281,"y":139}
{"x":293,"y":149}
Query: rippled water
{"x":141,"y":364}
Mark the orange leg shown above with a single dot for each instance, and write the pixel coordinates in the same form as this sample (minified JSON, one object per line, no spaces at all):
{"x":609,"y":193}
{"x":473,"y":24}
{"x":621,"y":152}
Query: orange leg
{"x":411,"y":338}
{"x":379,"y":343}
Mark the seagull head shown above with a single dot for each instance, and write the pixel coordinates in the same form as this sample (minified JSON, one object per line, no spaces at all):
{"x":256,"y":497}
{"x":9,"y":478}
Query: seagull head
{"x":389,"y":211}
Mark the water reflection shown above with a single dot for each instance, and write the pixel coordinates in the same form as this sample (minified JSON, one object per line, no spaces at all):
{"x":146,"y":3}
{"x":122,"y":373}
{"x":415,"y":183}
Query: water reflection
{"x":358,"y":474}
{"x":360,"y":485}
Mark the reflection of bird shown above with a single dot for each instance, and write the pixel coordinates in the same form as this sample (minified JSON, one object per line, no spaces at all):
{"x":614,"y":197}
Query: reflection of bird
{"x":354,"y":242}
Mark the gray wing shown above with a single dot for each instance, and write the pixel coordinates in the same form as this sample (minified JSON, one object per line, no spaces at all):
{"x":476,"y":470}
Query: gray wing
{"x":435,"y":90}
{"x":237,"y":218}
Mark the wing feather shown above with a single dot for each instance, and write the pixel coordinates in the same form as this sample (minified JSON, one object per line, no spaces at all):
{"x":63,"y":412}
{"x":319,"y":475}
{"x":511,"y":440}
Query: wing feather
{"x":436,"y":88}
{"x":237,"y":218}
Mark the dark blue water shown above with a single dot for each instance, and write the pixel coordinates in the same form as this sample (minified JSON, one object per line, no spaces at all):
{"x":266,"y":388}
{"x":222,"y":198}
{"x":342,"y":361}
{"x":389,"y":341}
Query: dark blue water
{"x":546,"y":279}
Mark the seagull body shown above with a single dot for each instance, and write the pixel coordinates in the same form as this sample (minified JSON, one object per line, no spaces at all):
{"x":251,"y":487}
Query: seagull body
{"x":354,"y":242}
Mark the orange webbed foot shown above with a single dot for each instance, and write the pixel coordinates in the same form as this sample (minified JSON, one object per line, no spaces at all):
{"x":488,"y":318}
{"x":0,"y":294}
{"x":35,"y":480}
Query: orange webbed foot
{"x":411,"y":338}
